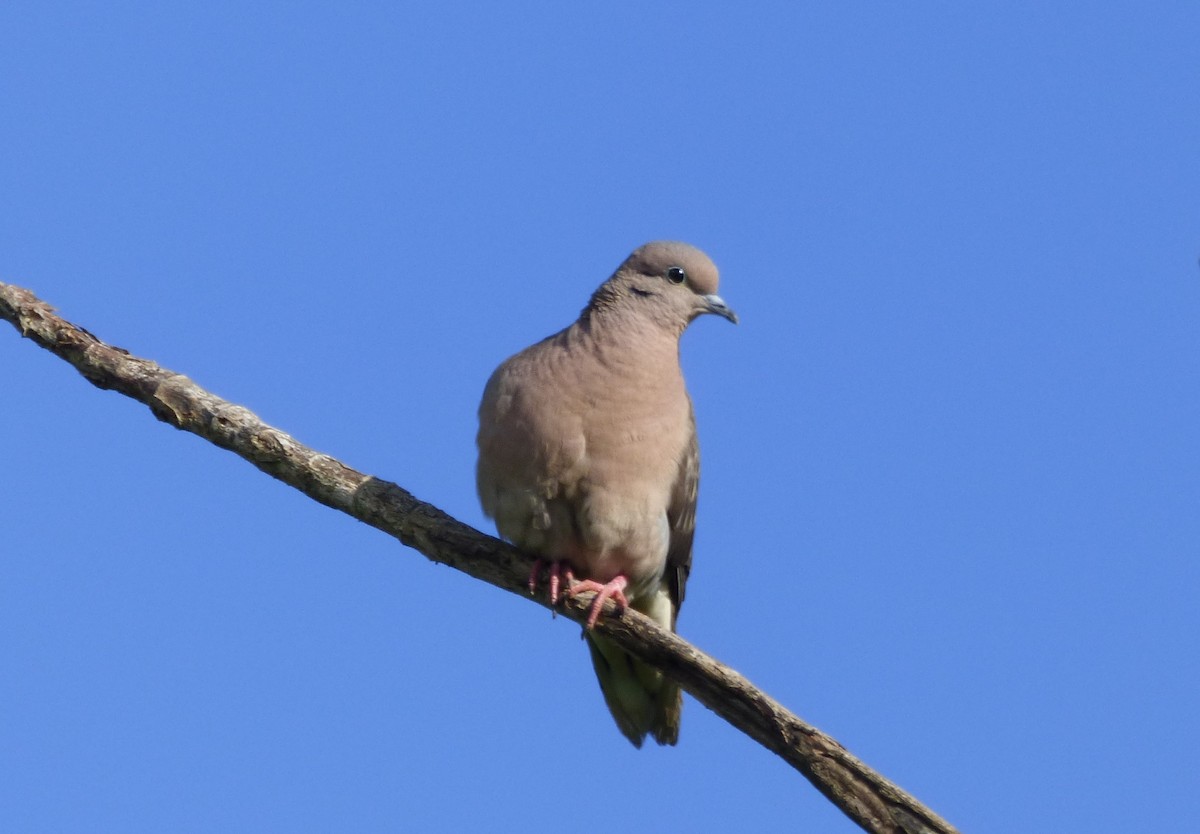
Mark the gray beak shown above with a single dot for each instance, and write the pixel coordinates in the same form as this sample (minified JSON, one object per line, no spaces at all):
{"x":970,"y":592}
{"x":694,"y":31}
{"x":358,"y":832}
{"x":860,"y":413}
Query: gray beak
{"x":717,"y":305}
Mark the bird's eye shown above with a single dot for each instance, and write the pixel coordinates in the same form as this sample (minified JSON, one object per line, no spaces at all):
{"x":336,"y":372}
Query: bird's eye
{"x":676,"y":275}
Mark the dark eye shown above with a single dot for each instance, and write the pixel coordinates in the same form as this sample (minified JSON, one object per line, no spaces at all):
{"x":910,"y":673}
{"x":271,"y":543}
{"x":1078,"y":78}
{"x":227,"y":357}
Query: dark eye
{"x":676,"y":275}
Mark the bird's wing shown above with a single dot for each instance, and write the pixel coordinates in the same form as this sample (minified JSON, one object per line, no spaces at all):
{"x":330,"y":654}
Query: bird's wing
{"x":681,"y":515}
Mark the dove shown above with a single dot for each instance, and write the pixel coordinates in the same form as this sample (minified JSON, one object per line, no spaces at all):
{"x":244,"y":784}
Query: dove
{"x":588,"y":461}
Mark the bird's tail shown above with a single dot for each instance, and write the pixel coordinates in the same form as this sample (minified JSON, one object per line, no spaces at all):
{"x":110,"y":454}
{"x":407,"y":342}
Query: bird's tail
{"x":641,"y":699}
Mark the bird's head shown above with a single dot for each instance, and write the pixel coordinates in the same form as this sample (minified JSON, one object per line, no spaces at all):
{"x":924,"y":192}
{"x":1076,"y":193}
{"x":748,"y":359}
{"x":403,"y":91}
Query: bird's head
{"x":668,"y":282}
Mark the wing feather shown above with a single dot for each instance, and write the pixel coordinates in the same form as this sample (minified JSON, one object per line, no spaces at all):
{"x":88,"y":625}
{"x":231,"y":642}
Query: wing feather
{"x":681,"y":515}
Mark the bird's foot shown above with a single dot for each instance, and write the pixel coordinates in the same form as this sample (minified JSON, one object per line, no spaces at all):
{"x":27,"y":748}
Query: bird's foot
{"x":614,"y":590}
{"x":556,"y":572}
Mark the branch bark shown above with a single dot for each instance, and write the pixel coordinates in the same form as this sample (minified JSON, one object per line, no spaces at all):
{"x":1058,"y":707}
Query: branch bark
{"x":874,"y":803}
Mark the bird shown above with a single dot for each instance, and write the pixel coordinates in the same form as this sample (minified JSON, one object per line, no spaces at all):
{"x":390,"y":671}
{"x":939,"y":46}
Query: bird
{"x":588,"y":461}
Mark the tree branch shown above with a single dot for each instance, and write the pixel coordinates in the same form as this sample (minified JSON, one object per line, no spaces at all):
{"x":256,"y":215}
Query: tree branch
{"x":870,"y":800}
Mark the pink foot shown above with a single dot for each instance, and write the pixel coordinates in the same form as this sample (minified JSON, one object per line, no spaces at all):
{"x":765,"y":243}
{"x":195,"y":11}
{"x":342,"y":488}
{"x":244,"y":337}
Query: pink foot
{"x":555,"y":572}
{"x":614,"y":590}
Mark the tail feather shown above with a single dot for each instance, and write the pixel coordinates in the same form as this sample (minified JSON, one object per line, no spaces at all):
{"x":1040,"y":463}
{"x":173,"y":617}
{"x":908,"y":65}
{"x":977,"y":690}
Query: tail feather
{"x":641,"y":699}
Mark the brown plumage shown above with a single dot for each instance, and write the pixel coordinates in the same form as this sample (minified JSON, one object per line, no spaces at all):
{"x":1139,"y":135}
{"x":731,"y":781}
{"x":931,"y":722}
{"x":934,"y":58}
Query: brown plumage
{"x":588,"y":460}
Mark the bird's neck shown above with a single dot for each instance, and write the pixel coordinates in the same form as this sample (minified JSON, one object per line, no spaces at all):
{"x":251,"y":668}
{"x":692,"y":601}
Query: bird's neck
{"x":623,"y":341}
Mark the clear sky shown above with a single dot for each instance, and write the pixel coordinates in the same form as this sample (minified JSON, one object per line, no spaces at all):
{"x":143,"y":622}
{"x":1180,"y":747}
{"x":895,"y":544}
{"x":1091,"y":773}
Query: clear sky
{"x":950,"y":510}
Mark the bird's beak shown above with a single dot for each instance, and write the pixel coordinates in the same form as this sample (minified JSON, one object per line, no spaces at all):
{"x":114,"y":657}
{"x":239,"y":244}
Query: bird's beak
{"x":717,"y":305}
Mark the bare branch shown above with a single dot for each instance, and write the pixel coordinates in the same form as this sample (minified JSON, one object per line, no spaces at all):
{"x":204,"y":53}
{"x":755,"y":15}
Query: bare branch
{"x":870,"y":800}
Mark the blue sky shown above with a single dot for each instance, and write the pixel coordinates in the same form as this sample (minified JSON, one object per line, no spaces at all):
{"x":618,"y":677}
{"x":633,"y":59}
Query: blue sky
{"x":949,"y":511}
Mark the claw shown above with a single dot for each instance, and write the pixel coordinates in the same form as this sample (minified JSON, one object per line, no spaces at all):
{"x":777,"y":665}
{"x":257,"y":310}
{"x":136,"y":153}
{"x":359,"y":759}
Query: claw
{"x":556,"y":572}
{"x":614,"y":590}
{"x":533,"y":576}
{"x":555,"y":580}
